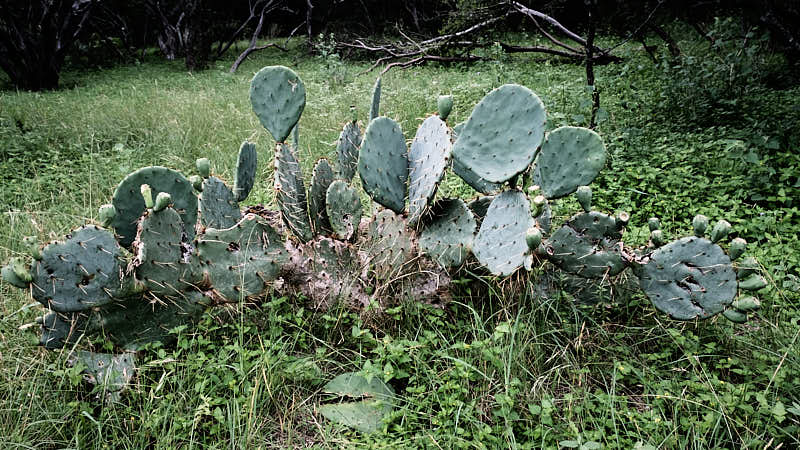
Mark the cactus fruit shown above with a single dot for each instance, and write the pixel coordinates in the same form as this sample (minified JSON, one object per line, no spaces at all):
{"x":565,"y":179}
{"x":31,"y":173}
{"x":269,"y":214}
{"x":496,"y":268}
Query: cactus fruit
{"x":203,"y":166}
{"x":163,"y":199}
{"x":246,"y":167}
{"x":347,"y":150}
{"x":753,"y":283}
{"x":533,"y":237}
{"x":218,"y":205}
{"x":445,"y":105}
{"x":427,"y":161}
{"x":321,"y":179}
{"x":700,"y":224}
{"x":588,"y":245}
{"x":383,"y":163}
{"x":720,"y":231}
{"x":500,"y":243}
{"x":240,"y":260}
{"x":736,"y":249}
{"x":746,"y":304}
{"x":129,"y":203}
{"x":570,"y":157}
{"x":374,"y":110}
{"x":291,"y":193}
{"x":503,"y":133}
{"x":278,"y":97}
{"x":106,"y":214}
{"x":735,"y":316}
{"x":197,"y":182}
{"x":10,"y":276}
{"x":584,"y":195}
{"x":343,"y":205}
{"x":689,"y":278}
{"x":654,"y":223}
{"x":82,"y":272}
{"x":657,"y":238}
{"x":448,"y":232}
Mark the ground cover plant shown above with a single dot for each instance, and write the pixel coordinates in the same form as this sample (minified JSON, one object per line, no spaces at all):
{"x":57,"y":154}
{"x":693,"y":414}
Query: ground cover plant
{"x":509,"y":362}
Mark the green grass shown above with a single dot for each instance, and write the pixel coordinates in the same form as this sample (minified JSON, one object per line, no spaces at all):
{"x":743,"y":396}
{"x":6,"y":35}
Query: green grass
{"x":514,"y":362}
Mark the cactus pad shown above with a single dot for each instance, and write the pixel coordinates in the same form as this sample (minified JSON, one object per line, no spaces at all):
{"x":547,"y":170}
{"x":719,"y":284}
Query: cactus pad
{"x":246,"y":168}
{"x":388,"y":244}
{"x":500,"y":243}
{"x":383,"y":163}
{"x":278,"y":96}
{"x":241,"y":260}
{"x":162,"y":254}
{"x":445,"y":105}
{"x":320,"y":180}
{"x":129,"y":203}
{"x":447,"y":236}
{"x":11,"y":277}
{"x":689,"y":278}
{"x":473,"y":180}
{"x":291,"y":193}
{"x":62,"y":329}
{"x":570,"y":157}
{"x":427,"y":161}
{"x":218,"y":205}
{"x":588,"y":245}
{"x":344,"y":209}
{"x":84,"y":271}
{"x":503,"y":133}
{"x":347,"y":150}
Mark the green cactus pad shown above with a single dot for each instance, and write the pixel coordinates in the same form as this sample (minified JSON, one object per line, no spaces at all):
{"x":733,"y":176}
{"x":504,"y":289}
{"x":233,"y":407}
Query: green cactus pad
{"x":753,"y":283}
{"x":473,"y":180}
{"x":689,"y":278}
{"x":544,"y":219}
{"x":347,"y":150}
{"x":445,"y":105}
{"x":427,"y":161}
{"x":383,"y":163}
{"x":60,"y":330}
{"x":291,"y":193}
{"x":246,"y":168}
{"x":162,"y":254}
{"x":503,"y":133}
{"x":321,"y":178}
{"x":500,"y":243}
{"x":720,"y":230}
{"x":11,"y":278}
{"x":584,"y":195}
{"x":374,"y":110}
{"x":203,"y":166}
{"x":448,"y":233}
{"x":344,"y":209}
{"x":588,"y":245}
{"x":106,"y":215}
{"x":278,"y":97}
{"x":239,"y":261}
{"x":388,"y":244}
{"x":570,"y":157}
{"x":82,"y":272}
{"x":218,"y":205}
{"x":700,"y":225}
{"x":737,"y":247}
{"x":130,"y":205}
{"x":163,"y":199}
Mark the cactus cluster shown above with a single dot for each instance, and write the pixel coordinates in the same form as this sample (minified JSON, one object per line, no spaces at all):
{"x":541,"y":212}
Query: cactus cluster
{"x":153,"y":264}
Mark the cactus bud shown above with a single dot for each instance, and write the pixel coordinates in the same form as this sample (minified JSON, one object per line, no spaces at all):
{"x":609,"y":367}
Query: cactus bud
{"x":657,"y":238}
{"x":747,"y":267}
{"x":584,"y":194}
{"x":33,"y":245}
{"x":147,"y":194}
{"x":721,"y":229}
{"x":700,"y":223}
{"x":163,"y":199}
{"x":746,"y":304}
{"x":622,"y":220}
{"x":654,"y":224}
{"x":20,"y":269}
{"x":203,"y":167}
{"x":106,"y":214}
{"x":737,"y":248}
{"x":11,"y":278}
{"x":537,"y":205}
{"x":445,"y":105}
{"x":533,"y":237}
{"x":735,"y":316}
{"x":197,"y":182}
{"x":753,"y":283}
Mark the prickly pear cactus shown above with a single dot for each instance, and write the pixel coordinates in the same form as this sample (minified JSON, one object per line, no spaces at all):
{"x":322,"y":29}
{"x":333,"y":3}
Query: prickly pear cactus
{"x":291,"y":193}
{"x":163,"y":254}
{"x":246,"y":168}
{"x":588,"y":245}
{"x":218,"y":205}
{"x":500,"y":243}
{"x":321,"y":178}
{"x":503,"y":133}
{"x":427,"y":161}
{"x":383,"y":163}
{"x":570,"y":157}
{"x":129,"y":203}
{"x":347,"y":150}
{"x":388,"y":244}
{"x":344,"y":209}
{"x":278,"y":97}
{"x":84,"y":271}
{"x":448,"y":233}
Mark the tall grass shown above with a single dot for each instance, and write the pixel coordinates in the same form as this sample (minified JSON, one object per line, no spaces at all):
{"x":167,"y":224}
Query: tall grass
{"x":519,"y":362}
